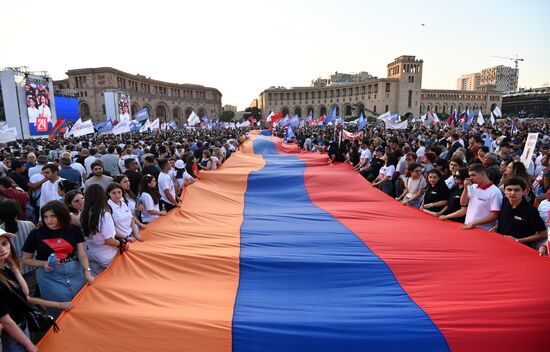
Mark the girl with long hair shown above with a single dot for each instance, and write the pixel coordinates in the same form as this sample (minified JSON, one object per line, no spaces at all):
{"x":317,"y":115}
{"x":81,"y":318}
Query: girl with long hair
{"x":74,"y":200}
{"x":436,"y":195}
{"x":125,"y":226}
{"x":130,"y":198}
{"x":384,"y":181}
{"x":414,"y":186}
{"x":191,"y":166}
{"x":150,"y":198}
{"x":58,"y":236}
{"x":99,"y":229}
{"x":13,"y":292}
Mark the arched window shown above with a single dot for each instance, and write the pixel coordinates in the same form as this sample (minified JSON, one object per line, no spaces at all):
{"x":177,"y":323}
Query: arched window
{"x":161,"y":113}
{"x":323,"y":111}
{"x":348,"y":110}
{"x":298,"y":111}
{"x":84,"y":110}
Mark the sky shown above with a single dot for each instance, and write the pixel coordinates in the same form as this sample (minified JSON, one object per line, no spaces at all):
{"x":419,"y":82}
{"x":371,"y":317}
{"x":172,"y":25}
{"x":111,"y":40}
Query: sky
{"x":244,"y":47}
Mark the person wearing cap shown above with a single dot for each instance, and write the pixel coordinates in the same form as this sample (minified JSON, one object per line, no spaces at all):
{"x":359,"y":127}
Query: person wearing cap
{"x":182,"y":176}
{"x":13,"y":292}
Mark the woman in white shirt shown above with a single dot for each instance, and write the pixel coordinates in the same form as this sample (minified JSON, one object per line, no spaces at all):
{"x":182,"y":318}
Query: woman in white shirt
{"x":384,"y":181}
{"x":99,"y":229}
{"x":130,"y":198}
{"x":123,"y":218}
{"x":150,"y":198}
{"x":182,"y":177}
{"x":415,"y":184}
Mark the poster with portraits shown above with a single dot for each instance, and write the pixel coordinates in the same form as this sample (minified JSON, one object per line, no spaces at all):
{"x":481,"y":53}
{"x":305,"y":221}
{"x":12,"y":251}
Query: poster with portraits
{"x":38,"y":100}
{"x":123,"y":108}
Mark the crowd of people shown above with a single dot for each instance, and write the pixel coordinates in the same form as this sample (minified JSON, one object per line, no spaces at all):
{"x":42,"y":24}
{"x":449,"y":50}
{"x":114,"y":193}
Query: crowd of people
{"x":69,"y":206}
{"x":471,"y":176}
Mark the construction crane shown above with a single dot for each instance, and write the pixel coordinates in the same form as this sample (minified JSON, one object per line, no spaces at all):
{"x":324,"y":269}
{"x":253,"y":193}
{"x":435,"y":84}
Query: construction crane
{"x":515,"y":59}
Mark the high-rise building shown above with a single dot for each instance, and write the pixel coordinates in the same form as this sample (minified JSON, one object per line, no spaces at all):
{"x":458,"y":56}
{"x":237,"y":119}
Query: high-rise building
{"x":503,"y":78}
{"x":469,"y":82}
{"x":342,"y":78}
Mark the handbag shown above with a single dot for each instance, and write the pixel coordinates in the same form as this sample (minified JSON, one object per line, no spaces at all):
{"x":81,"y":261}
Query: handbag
{"x":38,"y":320}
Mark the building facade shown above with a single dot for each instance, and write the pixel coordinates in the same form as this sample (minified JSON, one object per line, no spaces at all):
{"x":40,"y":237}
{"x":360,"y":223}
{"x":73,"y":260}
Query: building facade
{"x":533,"y":102}
{"x":400,"y":92}
{"x":469,"y":82}
{"x":163,"y":100}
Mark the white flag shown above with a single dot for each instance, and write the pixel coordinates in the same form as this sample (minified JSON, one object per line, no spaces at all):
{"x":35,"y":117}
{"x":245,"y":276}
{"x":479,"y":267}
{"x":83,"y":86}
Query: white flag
{"x":497,"y":112}
{"x":193,"y":119}
{"x":385,"y":116}
{"x":155,"y":125}
{"x":145,"y":126}
{"x":122,"y":126}
{"x":268,"y":118}
{"x":480,"y":119}
{"x":75,"y":126}
{"x":492,"y":119}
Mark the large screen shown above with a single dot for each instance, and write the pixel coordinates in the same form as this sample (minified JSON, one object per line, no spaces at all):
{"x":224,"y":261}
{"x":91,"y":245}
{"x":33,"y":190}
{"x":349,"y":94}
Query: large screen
{"x":38,"y":99}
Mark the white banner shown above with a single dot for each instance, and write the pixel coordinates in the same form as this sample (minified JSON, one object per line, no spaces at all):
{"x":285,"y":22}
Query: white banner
{"x":154,"y":125}
{"x":529,"y":149}
{"x":193,"y":119}
{"x":8,"y":134}
{"x":83,"y":128}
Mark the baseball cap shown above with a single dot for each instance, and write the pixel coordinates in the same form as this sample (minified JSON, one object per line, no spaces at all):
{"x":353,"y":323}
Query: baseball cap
{"x":180,"y":164}
{"x":6,"y":234}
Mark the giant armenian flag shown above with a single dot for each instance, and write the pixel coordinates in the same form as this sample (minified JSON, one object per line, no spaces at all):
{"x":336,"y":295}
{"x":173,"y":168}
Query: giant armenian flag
{"x":280,"y":251}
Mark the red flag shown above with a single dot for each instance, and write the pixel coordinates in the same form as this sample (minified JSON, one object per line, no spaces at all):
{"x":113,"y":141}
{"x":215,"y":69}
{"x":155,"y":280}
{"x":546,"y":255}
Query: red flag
{"x":275,"y":118}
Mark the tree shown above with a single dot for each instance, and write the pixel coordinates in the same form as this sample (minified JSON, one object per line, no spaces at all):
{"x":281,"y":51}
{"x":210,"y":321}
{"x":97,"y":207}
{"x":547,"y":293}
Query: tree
{"x":227,"y":116}
{"x":257,"y":113}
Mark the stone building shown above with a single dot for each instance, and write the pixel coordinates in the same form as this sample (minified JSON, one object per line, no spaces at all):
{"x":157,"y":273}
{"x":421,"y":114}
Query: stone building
{"x":164,"y":100}
{"x":400,"y":92}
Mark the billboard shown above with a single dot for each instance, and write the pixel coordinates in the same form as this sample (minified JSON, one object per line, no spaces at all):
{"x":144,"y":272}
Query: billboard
{"x":38,"y":102}
{"x":117,"y":107}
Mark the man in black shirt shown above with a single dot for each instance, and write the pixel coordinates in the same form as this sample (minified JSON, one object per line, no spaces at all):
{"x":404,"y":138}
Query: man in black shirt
{"x":519,"y":219}
{"x":149,"y":167}
{"x":134,"y":177}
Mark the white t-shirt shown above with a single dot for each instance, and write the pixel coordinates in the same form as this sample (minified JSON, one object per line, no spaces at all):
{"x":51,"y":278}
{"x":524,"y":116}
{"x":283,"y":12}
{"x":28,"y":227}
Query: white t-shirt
{"x":214,"y":163}
{"x":165,"y":182}
{"x":420,"y":152}
{"x":414,"y":185}
{"x":36,"y":193}
{"x":78,"y":167}
{"x":483,"y":202}
{"x":98,"y":250}
{"x":122,"y":217}
{"x":365,"y":155}
{"x":185,"y":177}
{"x":148,"y":204}
{"x":48,"y":192}
{"x":387,"y":171}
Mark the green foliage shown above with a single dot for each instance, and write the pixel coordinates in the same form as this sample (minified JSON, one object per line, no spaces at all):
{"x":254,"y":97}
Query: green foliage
{"x":227,"y":116}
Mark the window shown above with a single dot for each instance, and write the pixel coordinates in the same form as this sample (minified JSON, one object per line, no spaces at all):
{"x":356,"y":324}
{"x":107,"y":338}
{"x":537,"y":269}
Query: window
{"x":410,"y":98}
{"x":387,"y":108}
{"x":387,"y":87}
{"x":374,"y":109}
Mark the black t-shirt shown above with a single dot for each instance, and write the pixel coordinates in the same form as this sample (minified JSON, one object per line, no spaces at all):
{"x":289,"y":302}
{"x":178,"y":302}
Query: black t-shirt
{"x":454,"y":203}
{"x":436,"y":194}
{"x":44,"y":242}
{"x":9,"y":304}
{"x":375,"y":166}
{"x":521,"y":222}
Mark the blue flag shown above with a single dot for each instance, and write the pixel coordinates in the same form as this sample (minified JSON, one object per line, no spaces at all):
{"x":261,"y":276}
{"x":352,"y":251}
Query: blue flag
{"x":289,"y":133}
{"x":294,"y":121}
{"x":362,"y":122}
